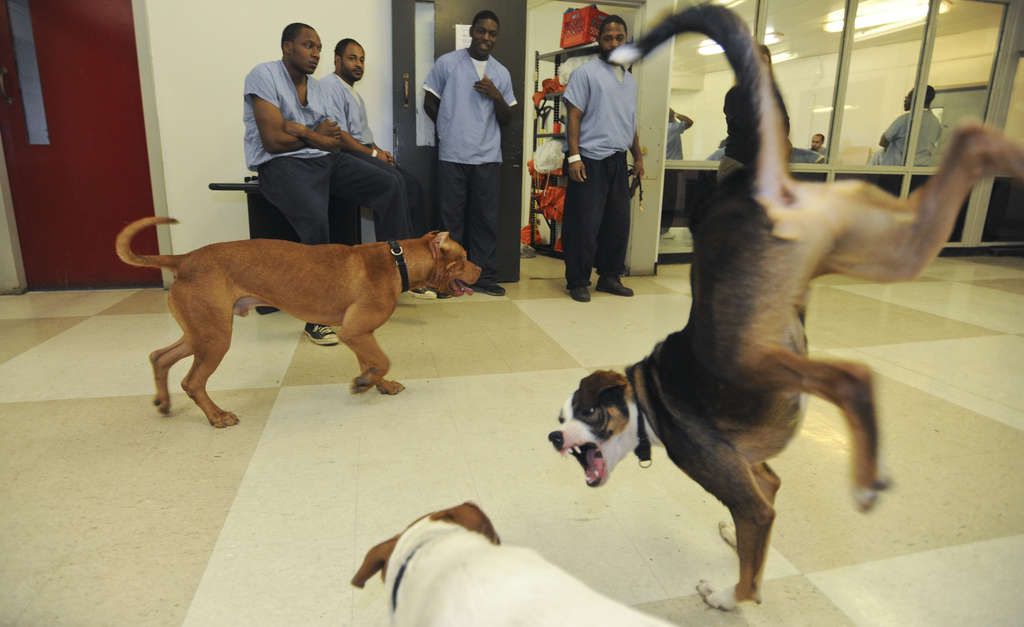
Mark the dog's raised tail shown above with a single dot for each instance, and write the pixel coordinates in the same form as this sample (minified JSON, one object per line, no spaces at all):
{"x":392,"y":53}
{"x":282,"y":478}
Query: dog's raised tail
{"x":752,"y":73}
{"x":123,"y":245}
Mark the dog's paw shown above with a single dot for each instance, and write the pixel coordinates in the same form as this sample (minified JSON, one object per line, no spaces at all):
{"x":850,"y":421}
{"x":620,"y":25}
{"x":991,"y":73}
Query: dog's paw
{"x":728,"y":532}
{"x":865,"y":498}
{"x":224,"y":419}
{"x":390,"y":387}
{"x":722,"y":600}
{"x":360,"y":384}
{"x":163,"y":405}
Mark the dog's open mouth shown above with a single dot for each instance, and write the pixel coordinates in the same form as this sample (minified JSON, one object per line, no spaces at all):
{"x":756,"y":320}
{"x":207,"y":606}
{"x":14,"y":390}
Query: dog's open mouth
{"x":590,"y":457}
{"x":459,"y":288}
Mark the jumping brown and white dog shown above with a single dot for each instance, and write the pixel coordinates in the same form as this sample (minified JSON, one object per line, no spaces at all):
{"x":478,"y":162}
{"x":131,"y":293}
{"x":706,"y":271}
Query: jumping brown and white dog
{"x":448,"y":569}
{"x":726,"y":393}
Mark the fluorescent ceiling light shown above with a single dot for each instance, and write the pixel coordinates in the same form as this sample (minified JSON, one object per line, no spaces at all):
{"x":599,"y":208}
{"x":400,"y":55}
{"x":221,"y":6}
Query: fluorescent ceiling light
{"x":729,"y":3}
{"x":827,"y":109}
{"x":880,"y":17}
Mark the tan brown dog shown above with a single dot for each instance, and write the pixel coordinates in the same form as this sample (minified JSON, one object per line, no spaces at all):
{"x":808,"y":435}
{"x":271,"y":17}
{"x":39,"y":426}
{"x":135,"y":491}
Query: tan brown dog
{"x":726,"y":393}
{"x":355,"y":288}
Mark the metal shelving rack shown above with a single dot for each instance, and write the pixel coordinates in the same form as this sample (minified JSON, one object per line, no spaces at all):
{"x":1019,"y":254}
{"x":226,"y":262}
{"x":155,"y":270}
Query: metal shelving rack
{"x":558,"y":57}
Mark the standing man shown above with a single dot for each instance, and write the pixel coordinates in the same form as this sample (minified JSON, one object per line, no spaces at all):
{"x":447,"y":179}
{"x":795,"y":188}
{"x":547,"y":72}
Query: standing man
{"x":601,"y":104}
{"x":894,"y":139}
{"x":677,"y":123}
{"x":468,"y":95}
{"x":345,"y":105}
{"x":293,"y":145}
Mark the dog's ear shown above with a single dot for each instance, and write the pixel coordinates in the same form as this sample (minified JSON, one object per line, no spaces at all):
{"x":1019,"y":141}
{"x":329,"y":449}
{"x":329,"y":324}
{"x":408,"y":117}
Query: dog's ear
{"x":593,"y":385}
{"x":437,"y":243}
{"x":470,"y":516}
{"x":376,"y":559}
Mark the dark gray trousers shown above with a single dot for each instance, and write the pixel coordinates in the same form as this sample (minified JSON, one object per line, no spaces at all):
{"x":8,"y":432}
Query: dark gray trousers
{"x":595,"y":227}
{"x":468,"y":196}
{"x":301,"y":190}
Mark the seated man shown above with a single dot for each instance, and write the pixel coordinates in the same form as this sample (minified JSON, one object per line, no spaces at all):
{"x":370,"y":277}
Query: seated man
{"x":346,"y":106}
{"x":294,"y":147}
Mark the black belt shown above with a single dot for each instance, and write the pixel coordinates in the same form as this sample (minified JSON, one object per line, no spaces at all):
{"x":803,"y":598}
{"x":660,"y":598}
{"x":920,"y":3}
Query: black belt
{"x":397,"y":253}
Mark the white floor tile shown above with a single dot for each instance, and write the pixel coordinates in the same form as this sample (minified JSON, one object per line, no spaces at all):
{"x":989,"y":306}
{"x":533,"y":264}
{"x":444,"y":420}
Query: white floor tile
{"x":986,"y":307}
{"x":980,"y":373}
{"x":972,"y":584}
{"x":612,"y":330}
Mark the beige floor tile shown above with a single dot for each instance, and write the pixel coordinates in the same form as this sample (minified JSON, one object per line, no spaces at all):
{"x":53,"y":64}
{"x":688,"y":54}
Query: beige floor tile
{"x":147,"y":301}
{"x":428,"y":339}
{"x":63,"y":304}
{"x":116,"y":514}
{"x":953,"y":483}
{"x":981,"y":306}
{"x":790,"y":600}
{"x":107,"y":356}
{"x":19,"y":335}
{"x":1014,"y":286}
{"x":839,"y":319}
{"x":970,"y":584}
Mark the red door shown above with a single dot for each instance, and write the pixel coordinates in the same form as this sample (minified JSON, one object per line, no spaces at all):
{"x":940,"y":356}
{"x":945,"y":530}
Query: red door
{"x":84,"y":173}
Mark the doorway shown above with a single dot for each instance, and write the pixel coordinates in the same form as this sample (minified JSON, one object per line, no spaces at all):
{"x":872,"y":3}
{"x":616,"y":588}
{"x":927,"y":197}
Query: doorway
{"x":74,"y":140}
{"x":414,"y":142}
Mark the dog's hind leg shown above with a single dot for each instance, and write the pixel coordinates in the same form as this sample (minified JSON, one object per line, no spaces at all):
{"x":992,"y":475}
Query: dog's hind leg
{"x":769,"y":483}
{"x":210,"y":340}
{"x":848,"y":386}
{"x":162,"y":359}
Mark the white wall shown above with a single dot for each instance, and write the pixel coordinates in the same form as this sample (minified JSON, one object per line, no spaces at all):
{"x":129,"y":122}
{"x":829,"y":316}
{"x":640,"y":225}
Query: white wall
{"x":12,"y":275}
{"x":200,"y":53}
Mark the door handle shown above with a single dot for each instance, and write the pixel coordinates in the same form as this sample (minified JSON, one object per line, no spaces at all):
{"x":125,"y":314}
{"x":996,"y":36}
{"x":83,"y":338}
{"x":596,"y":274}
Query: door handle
{"x":405,"y":89}
{"x":3,"y":86}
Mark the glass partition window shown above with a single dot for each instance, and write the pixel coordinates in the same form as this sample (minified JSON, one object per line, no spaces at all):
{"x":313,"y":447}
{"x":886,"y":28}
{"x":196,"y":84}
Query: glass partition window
{"x":805,"y":58}
{"x":700,"y":78}
{"x":883,"y":69}
{"x":966,"y":40}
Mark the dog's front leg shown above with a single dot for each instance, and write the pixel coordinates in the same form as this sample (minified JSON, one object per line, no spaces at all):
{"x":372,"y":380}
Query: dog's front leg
{"x":748,"y":491}
{"x":373,"y":362}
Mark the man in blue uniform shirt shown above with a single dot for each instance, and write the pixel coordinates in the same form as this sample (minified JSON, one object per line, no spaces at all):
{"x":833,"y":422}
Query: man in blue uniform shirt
{"x":293,"y":145}
{"x":346,"y":106}
{"x":601,"y":105}
{"x":468,"y":94}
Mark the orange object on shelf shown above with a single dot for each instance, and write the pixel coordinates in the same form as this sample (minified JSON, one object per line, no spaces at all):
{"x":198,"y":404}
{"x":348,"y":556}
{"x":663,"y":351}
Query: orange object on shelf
{"x":580,"y":26}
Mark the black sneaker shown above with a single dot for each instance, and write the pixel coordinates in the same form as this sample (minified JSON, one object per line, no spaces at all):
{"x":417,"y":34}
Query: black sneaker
{"x":321,"y":334}
{"x":613,"y":285}
{"x":492,"y":289}
{"x":580,"y":294}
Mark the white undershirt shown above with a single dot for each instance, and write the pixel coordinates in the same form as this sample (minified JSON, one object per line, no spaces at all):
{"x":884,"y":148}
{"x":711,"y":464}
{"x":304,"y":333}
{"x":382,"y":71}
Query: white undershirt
{"x":481,"y":66}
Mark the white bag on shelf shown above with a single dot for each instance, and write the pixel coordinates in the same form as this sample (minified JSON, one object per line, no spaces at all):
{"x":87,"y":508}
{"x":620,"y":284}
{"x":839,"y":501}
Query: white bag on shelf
{"x":549,"y":156}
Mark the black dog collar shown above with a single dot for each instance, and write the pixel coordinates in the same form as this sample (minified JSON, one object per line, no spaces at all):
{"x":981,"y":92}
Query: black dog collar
{"x":398,"y":254}
{"x":398,"y":580}
{"x":643,"y":447}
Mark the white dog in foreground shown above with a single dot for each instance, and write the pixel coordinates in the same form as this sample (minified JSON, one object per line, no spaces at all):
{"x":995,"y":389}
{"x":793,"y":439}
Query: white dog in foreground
{"x":449,"y":569}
